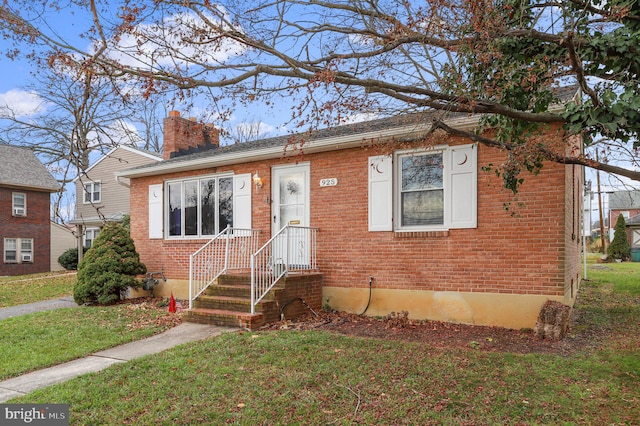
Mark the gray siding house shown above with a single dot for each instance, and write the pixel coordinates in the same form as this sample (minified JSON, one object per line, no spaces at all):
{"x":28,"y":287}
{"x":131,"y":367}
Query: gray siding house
{"x":62,"y":239}
{"x":100,"y":196}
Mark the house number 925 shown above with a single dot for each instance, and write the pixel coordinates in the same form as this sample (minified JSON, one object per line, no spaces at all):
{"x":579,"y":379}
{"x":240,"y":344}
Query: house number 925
{"x":329,"y":182}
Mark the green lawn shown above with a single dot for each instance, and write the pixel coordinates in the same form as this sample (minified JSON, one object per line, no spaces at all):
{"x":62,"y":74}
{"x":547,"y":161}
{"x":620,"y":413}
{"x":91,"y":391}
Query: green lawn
{"x":34,"y":288}
{"x":313,"y":377}
{"x":39,"y":340}
{"x":43,"y":339}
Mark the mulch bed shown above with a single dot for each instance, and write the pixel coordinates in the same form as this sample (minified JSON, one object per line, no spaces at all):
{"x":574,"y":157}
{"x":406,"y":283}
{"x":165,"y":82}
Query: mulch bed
{"x":438,"y":334}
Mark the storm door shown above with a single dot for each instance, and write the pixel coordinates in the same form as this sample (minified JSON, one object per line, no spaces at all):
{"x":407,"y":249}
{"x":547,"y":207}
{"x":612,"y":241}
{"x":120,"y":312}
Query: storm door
{"x":290,"y":195}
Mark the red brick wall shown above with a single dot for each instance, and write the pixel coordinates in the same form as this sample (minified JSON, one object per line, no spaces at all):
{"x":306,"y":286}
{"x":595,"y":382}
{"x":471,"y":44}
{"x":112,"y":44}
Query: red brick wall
{"x":35,"y":225}
{"x":521,"y":251}
{"x":613,"y":215}
{"x":573,"y":232}
{"x":290,"y":293}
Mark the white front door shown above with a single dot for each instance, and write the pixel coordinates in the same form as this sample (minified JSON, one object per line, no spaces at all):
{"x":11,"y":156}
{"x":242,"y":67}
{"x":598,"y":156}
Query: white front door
{"x":290,"y":195}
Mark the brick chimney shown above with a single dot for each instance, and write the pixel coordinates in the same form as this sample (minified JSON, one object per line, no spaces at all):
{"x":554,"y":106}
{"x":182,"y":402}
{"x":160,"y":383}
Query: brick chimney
{"x":183,"y":136}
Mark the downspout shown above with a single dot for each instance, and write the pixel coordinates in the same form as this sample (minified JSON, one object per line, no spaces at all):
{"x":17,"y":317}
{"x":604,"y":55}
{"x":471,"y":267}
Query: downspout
{"x":79,"y":244}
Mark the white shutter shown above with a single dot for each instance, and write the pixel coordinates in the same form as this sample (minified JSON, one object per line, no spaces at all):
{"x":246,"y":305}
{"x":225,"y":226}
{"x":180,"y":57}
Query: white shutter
{"x":380,"y":193}
{"x":242,"y":201}
{"x":155,"y":211}
{"x":463,"y":186}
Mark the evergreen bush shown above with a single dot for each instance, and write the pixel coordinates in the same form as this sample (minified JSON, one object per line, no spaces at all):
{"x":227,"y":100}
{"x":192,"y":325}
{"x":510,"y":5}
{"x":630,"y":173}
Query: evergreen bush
{"x":108,"y":268}
{"x":619,"y":247}
{"x":69,"y":259}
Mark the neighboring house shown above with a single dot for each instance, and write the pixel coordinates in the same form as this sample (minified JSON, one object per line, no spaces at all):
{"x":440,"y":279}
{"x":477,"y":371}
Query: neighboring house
{"x":62,"y":239}
{"x":384,"y":225}
{"x":633,"y":231}
{"x":25,"y":208}
{"x":100,"y":197}
{"x":633,"y":225}
{"x":627,"y":204}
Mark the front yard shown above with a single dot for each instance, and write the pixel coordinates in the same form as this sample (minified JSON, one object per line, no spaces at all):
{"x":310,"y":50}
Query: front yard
{"x":35,"y":288}
{"x":43,"y":339}
{"x":291,"y":376}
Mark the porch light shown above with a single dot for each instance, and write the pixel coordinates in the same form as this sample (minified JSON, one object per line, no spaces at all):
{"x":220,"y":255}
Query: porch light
{"x":257,"y":180}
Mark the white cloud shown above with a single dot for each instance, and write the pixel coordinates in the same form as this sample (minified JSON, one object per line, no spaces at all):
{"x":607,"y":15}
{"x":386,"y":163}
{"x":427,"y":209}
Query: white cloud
{"x":359,"y":118}
{"x":169,"y":43}
{"x":17,"y":103}
{"x":120,"y":132}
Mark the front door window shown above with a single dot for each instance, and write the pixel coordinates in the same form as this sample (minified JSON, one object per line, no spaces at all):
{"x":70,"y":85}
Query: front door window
{"x":291,"y":207}
{"x":292,"y":198}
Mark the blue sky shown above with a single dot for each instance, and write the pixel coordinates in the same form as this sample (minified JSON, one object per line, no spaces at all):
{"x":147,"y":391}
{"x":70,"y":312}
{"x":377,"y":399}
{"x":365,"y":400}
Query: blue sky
{"x":16,"y":76}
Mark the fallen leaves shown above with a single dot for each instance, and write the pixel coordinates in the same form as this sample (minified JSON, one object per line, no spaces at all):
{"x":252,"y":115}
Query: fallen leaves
{"x":398,"y":326}
{"x":149,"y":313}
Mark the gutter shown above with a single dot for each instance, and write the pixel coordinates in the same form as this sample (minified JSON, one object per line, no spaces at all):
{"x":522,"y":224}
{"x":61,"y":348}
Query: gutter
{"x":310,"y":147}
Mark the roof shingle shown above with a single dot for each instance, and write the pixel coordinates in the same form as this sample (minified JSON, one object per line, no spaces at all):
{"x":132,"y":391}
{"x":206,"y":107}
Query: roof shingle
{"x":19,"y":167}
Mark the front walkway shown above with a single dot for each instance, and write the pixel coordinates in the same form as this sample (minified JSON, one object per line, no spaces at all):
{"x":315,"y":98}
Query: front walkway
{"x":22,"y":385}
{"x":30,"y":308}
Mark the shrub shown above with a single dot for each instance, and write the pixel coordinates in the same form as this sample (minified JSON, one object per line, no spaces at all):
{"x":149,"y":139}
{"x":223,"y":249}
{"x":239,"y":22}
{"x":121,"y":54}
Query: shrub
{"x":108,"y":268}
{"x":619,"y":247}
{"x":69,"y":259}
{"x":126,"y":222}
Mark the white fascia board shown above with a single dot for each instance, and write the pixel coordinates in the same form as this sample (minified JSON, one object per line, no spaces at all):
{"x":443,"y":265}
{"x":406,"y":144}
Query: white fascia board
{"x":114,"y":149}
{"x":141,"y":153}
{"x":310,"y":147}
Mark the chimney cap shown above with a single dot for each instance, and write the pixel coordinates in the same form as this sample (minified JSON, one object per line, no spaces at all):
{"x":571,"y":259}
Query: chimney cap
{"x":174,"y":113}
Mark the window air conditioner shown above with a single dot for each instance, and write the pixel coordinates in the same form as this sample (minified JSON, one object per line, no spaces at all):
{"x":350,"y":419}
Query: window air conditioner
{"x":18,"y":211}
{"x":26,"y":257}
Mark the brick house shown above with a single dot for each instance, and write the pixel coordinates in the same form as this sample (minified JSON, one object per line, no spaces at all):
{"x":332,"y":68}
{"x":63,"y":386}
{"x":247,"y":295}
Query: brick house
{"x":25,"y":208}
{"x":383,"y":224}
{"x":627,"y":204}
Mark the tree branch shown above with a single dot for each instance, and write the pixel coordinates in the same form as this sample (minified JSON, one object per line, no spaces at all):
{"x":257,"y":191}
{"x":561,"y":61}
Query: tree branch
{"x":546,"y":153}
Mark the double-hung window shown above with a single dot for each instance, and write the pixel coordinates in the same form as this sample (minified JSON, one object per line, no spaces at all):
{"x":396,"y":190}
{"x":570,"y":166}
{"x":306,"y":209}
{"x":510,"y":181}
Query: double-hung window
{"x":423,"y":190}
{"x":18,"y":250}
{"x":26,"y":250}
{"x":92,"y":192}
{"x":200,"y":207}
{"x":420,"y":183}
{"x":90,"y":235}
{"x":19,"y":204}
{"x":11,"y":250}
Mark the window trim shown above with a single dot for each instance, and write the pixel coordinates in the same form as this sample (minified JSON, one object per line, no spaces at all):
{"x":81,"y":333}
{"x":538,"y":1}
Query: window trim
{"x":397,"y":190}
{"x":85,"y":192}
{"x":18,"y":250}
{"x":14,"y":207}
{"x":167,"y":204}
{"x":84,"y":235}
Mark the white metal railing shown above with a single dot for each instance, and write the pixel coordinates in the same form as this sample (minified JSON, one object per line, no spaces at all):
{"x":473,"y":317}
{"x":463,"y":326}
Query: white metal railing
{"x":292,"y":249}
{"x":231,"y":249}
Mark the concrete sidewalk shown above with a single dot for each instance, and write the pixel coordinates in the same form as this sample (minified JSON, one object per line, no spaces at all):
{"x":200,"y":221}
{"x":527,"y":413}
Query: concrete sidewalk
{"x":29,"y":308}
{"x":183,"y":333}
